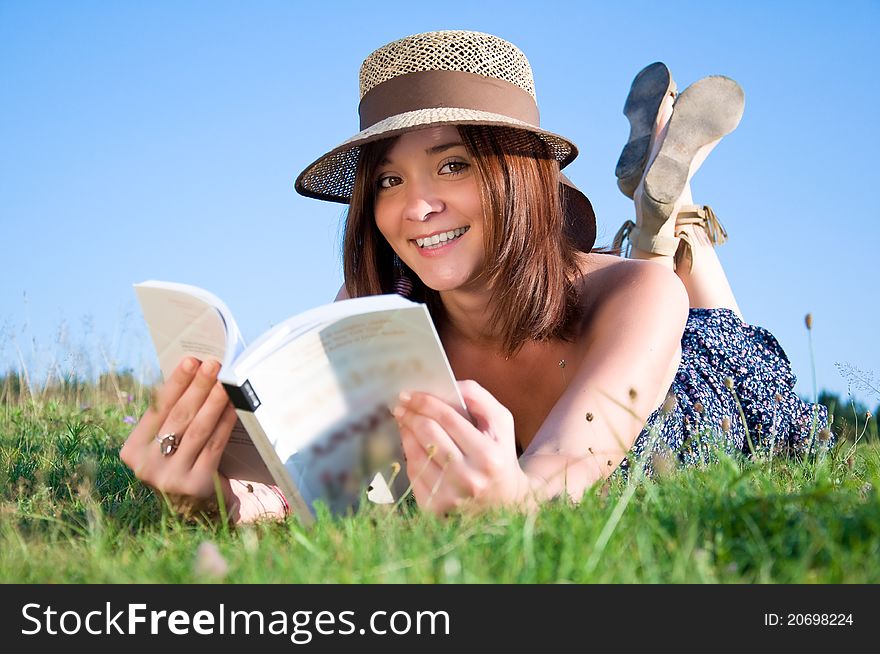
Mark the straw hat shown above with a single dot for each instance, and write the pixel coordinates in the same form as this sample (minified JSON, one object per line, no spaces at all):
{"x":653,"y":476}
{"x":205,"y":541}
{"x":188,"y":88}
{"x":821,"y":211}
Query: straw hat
{"x":450,"y":77}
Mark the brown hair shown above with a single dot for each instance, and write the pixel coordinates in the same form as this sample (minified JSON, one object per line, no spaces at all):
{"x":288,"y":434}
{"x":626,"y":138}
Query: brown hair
{"x":530,"y":257}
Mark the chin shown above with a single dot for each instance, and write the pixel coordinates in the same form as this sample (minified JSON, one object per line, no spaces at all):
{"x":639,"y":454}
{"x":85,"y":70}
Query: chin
{"x":440,"y":286}
{"x":448,"y":284}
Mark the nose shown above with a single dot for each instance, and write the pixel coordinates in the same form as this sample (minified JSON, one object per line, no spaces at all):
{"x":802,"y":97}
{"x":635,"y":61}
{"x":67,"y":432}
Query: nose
{"x":422,"y":200}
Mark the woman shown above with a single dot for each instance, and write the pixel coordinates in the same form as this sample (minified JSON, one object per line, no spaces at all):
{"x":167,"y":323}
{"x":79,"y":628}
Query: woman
{"x":571,"y":359}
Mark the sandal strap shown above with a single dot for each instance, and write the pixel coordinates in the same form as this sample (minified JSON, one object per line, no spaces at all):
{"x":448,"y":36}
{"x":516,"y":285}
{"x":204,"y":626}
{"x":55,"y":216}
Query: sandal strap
{"x":703,"y":215}
{"x":665,"y":245}
{"x":655,"y":243}
{"x":622,"y":233}
{"x":685,"y":249}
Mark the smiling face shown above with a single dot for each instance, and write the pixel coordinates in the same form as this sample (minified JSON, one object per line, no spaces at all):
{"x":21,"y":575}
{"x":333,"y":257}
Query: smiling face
{"x":427,"y":206}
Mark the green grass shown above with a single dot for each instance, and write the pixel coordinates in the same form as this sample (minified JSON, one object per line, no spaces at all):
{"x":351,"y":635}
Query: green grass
{"x":71,"y":512}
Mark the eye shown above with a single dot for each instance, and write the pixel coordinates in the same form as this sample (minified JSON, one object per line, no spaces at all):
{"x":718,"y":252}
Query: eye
{"x":387,"y":181}
{"x":455,"y":167}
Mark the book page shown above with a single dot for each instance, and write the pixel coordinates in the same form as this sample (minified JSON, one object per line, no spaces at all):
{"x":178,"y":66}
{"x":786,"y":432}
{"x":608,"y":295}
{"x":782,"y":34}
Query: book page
{"x":274,"y":339}
{"x":326,"y":399}
{"x":187,"y":321}
{"x":242,"y":461}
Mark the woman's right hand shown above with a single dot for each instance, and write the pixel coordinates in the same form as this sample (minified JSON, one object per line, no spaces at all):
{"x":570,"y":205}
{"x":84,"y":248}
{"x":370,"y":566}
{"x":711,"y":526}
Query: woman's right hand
{"x":194,"y":406}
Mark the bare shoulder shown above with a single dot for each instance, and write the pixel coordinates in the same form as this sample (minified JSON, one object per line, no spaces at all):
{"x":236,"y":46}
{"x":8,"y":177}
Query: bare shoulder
{"x":614,"y":289}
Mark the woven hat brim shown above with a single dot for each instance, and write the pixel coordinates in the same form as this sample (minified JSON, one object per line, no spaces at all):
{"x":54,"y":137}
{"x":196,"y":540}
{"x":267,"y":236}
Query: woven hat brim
{"x":332,"y":176}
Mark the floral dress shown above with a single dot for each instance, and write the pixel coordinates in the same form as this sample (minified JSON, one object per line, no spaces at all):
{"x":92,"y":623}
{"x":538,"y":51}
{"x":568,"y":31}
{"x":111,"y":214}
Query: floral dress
{"x":730,"y":370}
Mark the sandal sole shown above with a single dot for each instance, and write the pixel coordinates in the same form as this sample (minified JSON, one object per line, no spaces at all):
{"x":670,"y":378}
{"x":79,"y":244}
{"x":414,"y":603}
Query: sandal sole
{"x":705,"y":112}
{"x":646,"y":94}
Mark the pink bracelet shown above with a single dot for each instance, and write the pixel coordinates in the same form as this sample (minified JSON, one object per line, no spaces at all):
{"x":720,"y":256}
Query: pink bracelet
{"x":283,"y":500}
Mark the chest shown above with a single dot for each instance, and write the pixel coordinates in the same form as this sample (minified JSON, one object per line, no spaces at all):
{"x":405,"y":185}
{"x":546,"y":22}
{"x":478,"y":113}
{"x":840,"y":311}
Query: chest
{"x":529,"y":384}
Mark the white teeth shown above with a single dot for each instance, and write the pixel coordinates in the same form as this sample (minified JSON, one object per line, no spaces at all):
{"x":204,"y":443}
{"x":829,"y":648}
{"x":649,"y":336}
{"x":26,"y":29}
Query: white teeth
{"x":444,"y":237}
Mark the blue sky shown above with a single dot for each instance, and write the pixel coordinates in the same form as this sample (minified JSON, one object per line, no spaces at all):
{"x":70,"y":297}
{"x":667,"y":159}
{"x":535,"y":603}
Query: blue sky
{"x":160,"y":141}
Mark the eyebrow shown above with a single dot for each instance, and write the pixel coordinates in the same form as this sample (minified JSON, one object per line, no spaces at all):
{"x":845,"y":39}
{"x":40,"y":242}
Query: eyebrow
{"x":437,"y":149}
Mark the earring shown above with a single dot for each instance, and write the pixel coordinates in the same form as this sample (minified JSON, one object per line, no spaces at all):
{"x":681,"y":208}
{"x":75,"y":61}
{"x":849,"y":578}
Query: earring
{"x":403,"y":285}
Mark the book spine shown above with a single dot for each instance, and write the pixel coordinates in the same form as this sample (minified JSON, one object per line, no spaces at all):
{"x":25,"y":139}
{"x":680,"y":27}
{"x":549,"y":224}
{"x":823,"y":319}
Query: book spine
{"x":242,"y":397}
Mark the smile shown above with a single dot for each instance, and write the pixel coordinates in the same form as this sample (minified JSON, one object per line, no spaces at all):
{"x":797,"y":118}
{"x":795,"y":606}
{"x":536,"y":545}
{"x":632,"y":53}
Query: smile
{"x":439,"y":240}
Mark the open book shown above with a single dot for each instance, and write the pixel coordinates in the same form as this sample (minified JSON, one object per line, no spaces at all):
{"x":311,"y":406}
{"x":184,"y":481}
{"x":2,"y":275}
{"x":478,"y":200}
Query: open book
{"x":313,"y":394}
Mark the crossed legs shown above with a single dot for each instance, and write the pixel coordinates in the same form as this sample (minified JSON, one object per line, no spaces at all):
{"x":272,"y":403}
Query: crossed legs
{"x":704,"y":278}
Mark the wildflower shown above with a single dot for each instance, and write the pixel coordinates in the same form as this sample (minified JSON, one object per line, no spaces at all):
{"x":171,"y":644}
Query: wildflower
{"x":378,"y":450}
{"x":129,"y":420}
{"x":209,"y":562}
{"x":728,"y":383}
{"x":808,"y":320}
{"x":662,"y":465}
{"x":824,"y":435}
{"x":867,"y":415}
{"x":725,"y":424}
{"x":379,"y":491}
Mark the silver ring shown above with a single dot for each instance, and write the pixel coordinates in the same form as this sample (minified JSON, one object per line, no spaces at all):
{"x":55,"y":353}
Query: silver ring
{"x":167,"y":443}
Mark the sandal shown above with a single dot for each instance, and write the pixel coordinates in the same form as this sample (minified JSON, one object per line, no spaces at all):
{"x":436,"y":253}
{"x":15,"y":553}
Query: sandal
{"x":705,"y":112}
{"x":644,"y":240}
{"x":703,"y":216}
{"x":646,"y":94}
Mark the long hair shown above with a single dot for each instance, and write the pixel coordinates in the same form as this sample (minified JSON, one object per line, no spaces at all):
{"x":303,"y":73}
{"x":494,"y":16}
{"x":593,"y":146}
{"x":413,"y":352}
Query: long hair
{"x":531,"y":260}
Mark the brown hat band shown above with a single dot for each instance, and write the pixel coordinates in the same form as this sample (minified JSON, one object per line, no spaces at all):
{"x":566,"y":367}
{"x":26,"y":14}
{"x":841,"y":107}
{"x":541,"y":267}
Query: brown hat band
{"x":430,"y":89}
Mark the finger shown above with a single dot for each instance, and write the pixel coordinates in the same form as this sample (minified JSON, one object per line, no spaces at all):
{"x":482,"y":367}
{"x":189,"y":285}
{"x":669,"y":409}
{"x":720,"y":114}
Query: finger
{"x":427,"y":496}
{"x":212,"y":452}
{"x":466,"y":437}
{"x":438,"y":497}
{"x":187,"y":407}
{"x":167,"y":396}
{"x":431,"y":436}
{"x":434,"y":485}
{"x":490,"y":416}
{"x":418,"y":463}
{"x":202,"y":426}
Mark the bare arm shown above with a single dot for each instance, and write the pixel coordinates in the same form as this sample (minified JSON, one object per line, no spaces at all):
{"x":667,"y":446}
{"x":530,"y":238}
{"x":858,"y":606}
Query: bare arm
{"x":634,"y":350}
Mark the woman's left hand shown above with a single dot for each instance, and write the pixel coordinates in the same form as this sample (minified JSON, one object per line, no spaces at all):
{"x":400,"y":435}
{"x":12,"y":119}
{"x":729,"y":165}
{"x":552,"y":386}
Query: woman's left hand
{"x":452,"y":462}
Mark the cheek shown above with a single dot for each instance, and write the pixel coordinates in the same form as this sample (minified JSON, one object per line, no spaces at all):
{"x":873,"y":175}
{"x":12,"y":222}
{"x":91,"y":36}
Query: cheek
{"x":388,"y":224}
{"x":382,"y":216}
{"x":469,"y":201}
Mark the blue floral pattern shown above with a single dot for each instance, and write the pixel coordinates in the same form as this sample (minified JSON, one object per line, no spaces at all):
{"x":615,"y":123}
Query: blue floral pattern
{"x":730,"y":370}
